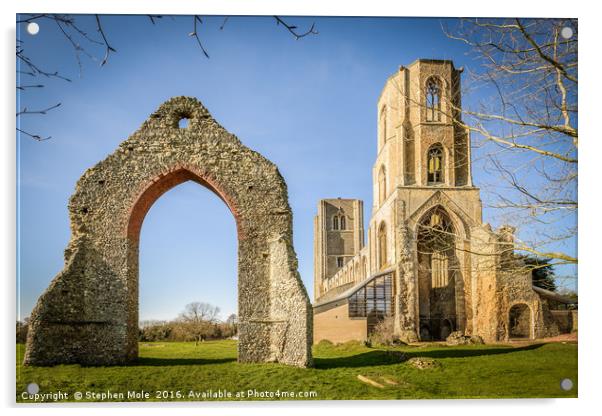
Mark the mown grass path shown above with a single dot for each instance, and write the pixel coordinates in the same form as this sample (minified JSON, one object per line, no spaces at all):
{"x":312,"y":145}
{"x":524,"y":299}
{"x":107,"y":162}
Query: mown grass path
{"x":200,"y":372}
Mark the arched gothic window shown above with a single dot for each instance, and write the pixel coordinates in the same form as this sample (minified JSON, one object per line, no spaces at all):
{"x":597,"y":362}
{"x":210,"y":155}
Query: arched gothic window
{"x":382,"y":245}
{"x":439,"y":269}
{"x":433,"y":99}
{"x":435,"y":164}
{"x":339,"y":222}
{"x":382,"y":185}
{"x":436,"y":240}
{"x":438,"y":273}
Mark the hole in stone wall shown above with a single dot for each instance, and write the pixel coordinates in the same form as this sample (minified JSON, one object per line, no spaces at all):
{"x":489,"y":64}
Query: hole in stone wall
{"x":183,"y":122}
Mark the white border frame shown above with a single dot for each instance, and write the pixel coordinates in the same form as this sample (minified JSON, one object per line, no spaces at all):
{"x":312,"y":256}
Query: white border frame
{"x":590,"y":286}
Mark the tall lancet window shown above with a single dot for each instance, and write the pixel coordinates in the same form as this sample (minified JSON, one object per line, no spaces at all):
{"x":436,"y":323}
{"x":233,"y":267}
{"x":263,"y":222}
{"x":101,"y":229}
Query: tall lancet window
{"x":439,"y":268}
{"x":339,"y":221}
{"x":433,"y":99}
{"x":382,"y":126}
{"x":382,"y":245}
{"x":436,"y":240}
{"x":435,"y":164}
{"x":382,"y":185}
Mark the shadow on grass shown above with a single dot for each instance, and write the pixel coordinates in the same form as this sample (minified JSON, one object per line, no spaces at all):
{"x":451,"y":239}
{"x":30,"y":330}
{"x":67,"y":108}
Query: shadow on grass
{"x":470,"y":352}
{"x":381,"y":357}
{"x":167,"y":362}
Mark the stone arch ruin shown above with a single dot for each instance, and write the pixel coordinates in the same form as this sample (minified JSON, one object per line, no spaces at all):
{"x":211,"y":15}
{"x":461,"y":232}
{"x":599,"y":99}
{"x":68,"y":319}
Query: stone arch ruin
{"x":89,"y":313}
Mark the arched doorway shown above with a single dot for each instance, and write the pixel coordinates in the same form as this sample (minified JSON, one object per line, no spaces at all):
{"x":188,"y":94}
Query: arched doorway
{"x":436,"y":242}
{"x":196,"y":253}
{"x":519,"y":321}
{"x":138,"y":213}
{"x":89,"y":313}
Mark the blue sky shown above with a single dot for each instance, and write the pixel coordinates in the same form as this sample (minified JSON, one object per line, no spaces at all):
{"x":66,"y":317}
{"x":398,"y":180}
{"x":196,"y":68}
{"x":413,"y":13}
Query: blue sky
{"x":308,"y":105}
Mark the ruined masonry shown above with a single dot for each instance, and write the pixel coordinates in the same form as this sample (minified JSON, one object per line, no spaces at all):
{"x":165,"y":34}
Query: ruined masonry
{"x":89,"y":314}
{"x":428,"y":262}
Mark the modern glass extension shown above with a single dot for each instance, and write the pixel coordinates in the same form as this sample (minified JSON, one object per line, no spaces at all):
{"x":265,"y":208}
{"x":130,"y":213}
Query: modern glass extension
{"x":373,"y":300}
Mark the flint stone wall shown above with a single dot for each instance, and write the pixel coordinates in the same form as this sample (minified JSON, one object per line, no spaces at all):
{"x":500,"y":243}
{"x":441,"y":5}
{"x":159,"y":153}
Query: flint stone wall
{"x":89,"y":313}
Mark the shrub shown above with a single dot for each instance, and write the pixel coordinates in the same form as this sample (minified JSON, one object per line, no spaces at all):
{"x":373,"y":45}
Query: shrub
{"x":159,"y":331}
{"x":383,"y":333}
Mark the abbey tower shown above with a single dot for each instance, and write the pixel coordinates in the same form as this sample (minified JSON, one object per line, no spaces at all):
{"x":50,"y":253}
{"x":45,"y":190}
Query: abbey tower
{"x":428,"y":262}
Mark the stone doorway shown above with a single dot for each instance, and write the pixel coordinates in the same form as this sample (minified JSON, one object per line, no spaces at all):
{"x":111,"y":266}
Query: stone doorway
{"x":519,"y":321}
{"x":188,"y":254}
{"x":89,"y":313}
{"x":437,"y":266}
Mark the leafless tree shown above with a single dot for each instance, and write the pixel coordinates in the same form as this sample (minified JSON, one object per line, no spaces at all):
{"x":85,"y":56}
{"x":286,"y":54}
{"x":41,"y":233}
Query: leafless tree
{"x":232,"y":319}
{"x":199,"y":318}
{"x":232,"y":322}
{"x":522,"y":111}
{"x":200,"y":312}
{"x":84,"y":44}
{"x":519,"y":101}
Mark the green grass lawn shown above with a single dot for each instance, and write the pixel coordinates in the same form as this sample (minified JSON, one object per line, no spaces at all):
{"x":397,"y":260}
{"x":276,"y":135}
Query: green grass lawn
{"x":477,"y":371}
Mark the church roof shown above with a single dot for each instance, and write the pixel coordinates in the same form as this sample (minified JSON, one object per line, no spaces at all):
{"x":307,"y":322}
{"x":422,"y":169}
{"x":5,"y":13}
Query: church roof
{"x":553,"y":295}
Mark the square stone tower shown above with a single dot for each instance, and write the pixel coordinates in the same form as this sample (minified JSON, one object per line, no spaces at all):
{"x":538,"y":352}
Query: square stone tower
{"x":416,"y":111}
{"x":338,"y":237}
{"x":429,"y":261}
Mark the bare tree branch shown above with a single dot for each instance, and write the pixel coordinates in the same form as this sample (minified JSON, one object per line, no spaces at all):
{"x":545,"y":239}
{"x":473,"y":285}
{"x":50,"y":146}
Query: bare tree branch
{"x":108,"y":48}
{"x":195,"y":34}
{"x":34,"y":136}
{"x":44,"y":111}
{"x":24,"y":87}
{"x":527,"y":110}
{"x":73,"y":32}
{"x":293,"y":29}
{"x":545,"y":57}
{"x":224,"y":23}
{"x":36,"y":70}
{"x":152,"y":17}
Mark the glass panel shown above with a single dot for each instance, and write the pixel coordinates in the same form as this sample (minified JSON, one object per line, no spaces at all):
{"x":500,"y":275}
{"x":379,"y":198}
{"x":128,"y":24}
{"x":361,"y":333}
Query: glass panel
{"x":373,"y":300}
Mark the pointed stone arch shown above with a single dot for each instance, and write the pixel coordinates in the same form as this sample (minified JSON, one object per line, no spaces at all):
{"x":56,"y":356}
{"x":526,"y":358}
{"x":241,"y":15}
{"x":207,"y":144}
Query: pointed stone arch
{"x":89,"y":313}
{"x":461,"y":220}
{"x":441,"y":268}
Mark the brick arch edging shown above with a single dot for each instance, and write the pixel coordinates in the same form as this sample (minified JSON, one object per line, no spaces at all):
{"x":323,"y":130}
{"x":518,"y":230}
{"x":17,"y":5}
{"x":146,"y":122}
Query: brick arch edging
{"x":89,"y":313}
{"x":156,"y":187}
